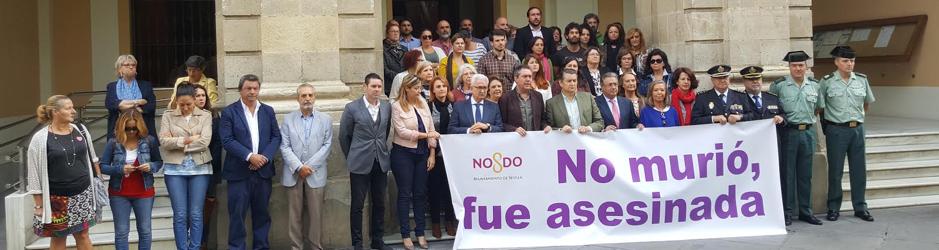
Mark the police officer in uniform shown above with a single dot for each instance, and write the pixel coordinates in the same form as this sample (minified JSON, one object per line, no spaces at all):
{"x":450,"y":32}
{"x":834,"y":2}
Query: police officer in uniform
{"x":846,"y":96}
{"x":721,"y":104}
{"x":799,"y":95}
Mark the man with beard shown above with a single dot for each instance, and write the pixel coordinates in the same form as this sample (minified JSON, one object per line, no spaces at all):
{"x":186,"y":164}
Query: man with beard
{"x":467,"y":25}
{"x":407,"y":38}
{"x":527,"y":34}
{"x":573,"y":49}
{"x":499,"y":62}
{"x":443,"y":37}
{"x":306,"y":136}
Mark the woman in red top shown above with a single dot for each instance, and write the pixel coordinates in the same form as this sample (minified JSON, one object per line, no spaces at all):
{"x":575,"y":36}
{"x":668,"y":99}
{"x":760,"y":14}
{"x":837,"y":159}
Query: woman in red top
{"x":130,"y":158}
{"x":683,"y":86}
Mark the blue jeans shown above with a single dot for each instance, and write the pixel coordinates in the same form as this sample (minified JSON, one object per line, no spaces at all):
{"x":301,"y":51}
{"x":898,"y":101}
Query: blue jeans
{"x":187,"y":196}
{"x":120,"y":208}
{"x":410,"y":172}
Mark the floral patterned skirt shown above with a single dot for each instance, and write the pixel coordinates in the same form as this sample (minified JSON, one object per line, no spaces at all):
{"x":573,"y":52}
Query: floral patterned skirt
{"x":70,"y":214}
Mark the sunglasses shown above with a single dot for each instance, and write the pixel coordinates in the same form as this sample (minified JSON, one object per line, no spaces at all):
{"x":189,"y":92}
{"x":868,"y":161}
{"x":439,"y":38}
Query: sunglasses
{"x":130,"y":129}
{"x":657,"y":61}
{"x":426,"y":37}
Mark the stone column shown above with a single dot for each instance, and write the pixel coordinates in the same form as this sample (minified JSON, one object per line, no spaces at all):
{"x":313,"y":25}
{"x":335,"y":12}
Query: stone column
{"x":330,"y":44}
{"x":702,"y":33}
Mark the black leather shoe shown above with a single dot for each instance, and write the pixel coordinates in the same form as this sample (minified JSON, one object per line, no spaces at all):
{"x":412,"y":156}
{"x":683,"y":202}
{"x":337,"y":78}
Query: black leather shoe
{"x":788,"y":221}
{"x":832,"y":215}
{"x":810,"y":219}
{"x":865,"y":215}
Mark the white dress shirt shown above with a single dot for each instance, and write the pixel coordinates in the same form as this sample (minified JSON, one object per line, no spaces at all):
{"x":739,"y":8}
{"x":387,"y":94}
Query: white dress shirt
{"x":372,"y":109}
{"x":536,"y":32}
{"x":726,"y":91}
{"x":252,"y":118}
{"x":482,"y":111}
{"x":573,"y":113}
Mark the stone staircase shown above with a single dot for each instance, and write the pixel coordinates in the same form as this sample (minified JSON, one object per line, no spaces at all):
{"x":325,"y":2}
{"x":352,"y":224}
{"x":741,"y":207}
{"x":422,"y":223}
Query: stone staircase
{"x":102,"y":234}
{"x":902,"y":170}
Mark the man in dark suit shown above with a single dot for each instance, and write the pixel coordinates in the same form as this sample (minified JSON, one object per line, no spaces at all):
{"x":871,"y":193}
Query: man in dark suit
{"x":527,"y":34}
{"x":363,"y":136}
{"x":476,"y":115}
{"x":250,"y":135}
{"x":522,"y":109}
{"x":617,"y":112}
{"x":721,"y":104}
{"x":572,"y":110}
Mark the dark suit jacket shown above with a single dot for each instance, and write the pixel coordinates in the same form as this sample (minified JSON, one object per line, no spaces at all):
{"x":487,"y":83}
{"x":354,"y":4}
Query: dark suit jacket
{"x":512,"y":113}
{"x":362,"y":140}
{"x":627,"y":118}
{"x":556,"y":112}
{"x":236,"y":139}
{"x":771,"y":107}
{"x":149,"y":110}
{"x":707,"y":104}
{"x":524,"y":36}
{"x":462,"y":117}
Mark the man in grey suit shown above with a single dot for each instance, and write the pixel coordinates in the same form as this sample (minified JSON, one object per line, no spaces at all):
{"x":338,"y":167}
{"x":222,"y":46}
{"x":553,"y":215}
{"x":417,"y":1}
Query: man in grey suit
{"x":307,"y":136}
{"x":572,"y":110}
{"x":363,"y":135}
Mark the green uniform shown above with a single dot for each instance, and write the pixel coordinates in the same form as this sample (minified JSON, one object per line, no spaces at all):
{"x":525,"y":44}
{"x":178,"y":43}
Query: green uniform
{"x":843,"y":102}
{"x":800,"y":102}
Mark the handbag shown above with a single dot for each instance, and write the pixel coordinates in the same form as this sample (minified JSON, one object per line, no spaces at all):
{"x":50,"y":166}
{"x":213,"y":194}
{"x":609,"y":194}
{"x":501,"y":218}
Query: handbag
{"x":100,"y":189}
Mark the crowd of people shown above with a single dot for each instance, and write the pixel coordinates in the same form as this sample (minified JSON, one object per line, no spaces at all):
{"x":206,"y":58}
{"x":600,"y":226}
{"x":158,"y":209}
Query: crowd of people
{"x":513,"y":80}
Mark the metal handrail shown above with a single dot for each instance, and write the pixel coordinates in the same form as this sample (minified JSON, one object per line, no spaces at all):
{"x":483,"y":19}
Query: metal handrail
{"x":23,"y":144}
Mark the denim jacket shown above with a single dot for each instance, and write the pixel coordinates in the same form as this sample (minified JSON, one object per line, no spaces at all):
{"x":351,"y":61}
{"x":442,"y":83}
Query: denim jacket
{"x":112,"y":161}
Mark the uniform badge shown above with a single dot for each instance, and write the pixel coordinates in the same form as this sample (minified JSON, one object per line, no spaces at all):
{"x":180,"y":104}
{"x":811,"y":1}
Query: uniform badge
{"x":711,"y":105}
{"x":772,"y":107}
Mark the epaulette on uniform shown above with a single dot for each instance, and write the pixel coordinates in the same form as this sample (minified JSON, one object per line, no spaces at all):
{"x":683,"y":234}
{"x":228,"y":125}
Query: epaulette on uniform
{"x":861,"y":75}
{"x":826,"y":77}
{"x":780,"y":80}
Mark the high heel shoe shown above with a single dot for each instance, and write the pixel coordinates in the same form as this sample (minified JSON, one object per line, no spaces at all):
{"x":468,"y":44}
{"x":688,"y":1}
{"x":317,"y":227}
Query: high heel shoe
{"x":408,"y":244}
{"x":422,"y":242}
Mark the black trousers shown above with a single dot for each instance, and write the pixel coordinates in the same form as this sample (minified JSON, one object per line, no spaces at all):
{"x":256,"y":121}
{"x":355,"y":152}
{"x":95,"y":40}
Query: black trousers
{"x":375,"y":182}
{"x":438,"y":189}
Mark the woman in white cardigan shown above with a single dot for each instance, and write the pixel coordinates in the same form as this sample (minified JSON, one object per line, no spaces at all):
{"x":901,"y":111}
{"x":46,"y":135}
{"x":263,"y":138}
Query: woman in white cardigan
{"x":59,"y":171}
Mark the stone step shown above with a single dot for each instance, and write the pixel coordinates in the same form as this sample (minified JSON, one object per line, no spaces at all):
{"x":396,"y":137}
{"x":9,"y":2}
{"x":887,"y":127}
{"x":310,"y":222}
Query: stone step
{"x":899,"y":170}
{"x":395,"y":238}
{"x":162,"y":239}
{"x":902,"y":153}
{"x":895,"y":188}
{"x":895,"y":202}
{"x":901,"y":139}
{"x":161,"y":218}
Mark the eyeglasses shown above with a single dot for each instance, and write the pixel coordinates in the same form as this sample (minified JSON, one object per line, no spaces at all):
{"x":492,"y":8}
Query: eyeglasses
{"x":427,"y":37}
{"x":657,"y":61}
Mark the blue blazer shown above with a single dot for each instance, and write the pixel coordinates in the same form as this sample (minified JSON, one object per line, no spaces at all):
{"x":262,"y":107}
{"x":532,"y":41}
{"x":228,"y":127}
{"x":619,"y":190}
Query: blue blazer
{"x":149,"y":110}
{"x":236,"y":139}
{"x":627,"y":118}
{"x":462,"y":117}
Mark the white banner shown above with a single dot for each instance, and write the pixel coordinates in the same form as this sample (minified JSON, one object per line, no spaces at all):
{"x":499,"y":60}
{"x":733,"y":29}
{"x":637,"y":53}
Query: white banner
{"x":658,"y":184}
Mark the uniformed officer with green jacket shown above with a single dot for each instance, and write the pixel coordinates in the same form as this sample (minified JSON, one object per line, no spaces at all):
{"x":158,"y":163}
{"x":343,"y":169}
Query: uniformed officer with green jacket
{"x":846,"y":96}
{"x":798,"y":95}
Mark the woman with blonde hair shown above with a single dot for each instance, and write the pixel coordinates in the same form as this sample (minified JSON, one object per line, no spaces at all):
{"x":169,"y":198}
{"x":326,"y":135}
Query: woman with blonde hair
{"x":59,"y":175}
{"x":636,"y":45}
{"x":131,"y":158}
{"x":412,"y":157}
{"x":658,"y":111}
{"x":127,"y":92}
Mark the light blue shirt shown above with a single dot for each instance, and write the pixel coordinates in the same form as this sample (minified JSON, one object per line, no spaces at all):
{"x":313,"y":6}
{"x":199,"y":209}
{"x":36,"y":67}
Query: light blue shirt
{"x":410,"y":44}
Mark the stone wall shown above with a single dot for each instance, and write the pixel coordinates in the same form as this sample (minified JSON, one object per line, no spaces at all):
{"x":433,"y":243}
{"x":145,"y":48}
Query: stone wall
{"x":330,"y":44}
{"x":702,"y":33}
